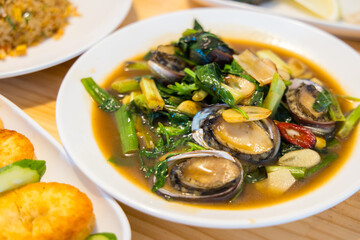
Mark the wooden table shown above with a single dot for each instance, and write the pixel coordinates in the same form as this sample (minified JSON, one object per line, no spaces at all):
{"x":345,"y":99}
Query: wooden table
{"x":36,"y":94}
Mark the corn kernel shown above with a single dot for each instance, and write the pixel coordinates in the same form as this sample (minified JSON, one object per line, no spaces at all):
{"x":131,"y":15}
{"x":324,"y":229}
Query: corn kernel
{"x":20,"y":49}
{"x":320,"y":143}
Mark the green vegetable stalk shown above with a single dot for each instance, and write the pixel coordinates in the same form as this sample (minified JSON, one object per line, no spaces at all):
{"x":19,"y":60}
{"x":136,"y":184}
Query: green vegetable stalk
{"x":136,"y":66}
{"x":335,"y":110}
{"x":297,"y":172}
{"x":349,"y":123}
{"x":126,"y":85}
{"x":104,"y":99}
{"x":276,"y":91}
{"x":126,"y":130}
{"x":324,"y":162}
{"x":96,"y":92}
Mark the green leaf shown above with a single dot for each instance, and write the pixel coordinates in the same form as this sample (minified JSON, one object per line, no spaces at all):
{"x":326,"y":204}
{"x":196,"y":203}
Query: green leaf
{"x":234,"y":69}
{"x":283,"y":114}
{"x":174,"y":131}
{"x":257,"y":175}
{"x":323,"y":101}
{"x":160,"y":172}
{"x":197,"y":26}
{"x":199,"y":47}
{"x":183,"y":88}
{"x":163,"y":131}
{"x":285,"y":148}
{"x":209,"y":78}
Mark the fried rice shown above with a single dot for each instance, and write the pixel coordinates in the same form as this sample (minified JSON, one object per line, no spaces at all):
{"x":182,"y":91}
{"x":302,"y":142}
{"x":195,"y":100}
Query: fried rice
{"x":24,"y":23}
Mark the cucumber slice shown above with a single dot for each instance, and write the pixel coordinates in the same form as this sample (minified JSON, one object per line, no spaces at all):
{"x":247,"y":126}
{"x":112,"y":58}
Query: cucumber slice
{"x":102,"y":236}
{"x":20,"y":173}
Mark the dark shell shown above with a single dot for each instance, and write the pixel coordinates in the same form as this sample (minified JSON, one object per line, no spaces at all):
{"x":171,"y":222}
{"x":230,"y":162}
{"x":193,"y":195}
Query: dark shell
{"x":175,"y":189}
{"x":202,"y":133}
{"x":322,"y":126}
{"x":167,"y":67}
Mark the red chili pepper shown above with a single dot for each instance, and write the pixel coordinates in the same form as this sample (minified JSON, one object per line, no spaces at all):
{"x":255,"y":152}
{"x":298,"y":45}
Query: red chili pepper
{"x":297,"y":135}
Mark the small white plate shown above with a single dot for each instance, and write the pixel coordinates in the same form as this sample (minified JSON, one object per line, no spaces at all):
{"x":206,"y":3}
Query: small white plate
{"x":288,"y":8}
{"x":74,"y":108}
{"x":109,"y":215}
{"x":98,"y":19}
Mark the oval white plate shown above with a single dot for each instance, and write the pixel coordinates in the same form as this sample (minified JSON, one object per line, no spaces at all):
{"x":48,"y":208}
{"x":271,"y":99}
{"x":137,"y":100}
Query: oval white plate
{"x":289,"y":9}
{"x":73,"y":110}
{"x":98,"y":19}
{"x":109,"y":215}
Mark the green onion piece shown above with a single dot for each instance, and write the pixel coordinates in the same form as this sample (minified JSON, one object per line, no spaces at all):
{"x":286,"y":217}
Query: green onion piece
{"x":175,"y":101}
{"x":335,"y":110}
{"x":194,"y":146}
{"x":189,"y":72}
{"x":126,"y":128}
{"x":199,"y":95}
{"x":325,"y":162}
{"x":349,"y":98}
{"x":12,"y":24}
{"x":276,"y":92}
{"x":126,"y":85}
{"x":349,"y":123}
{"x":142,"y":131}
{"x":96,"y":92}
{"x":242,"y":112}
{"x":268,"y":54}
{"x":140,"y":102}
{"x":287,"y":83}
{"x":136,"y":66}
{"x":189,"y":32}
{"x":297,"y":172}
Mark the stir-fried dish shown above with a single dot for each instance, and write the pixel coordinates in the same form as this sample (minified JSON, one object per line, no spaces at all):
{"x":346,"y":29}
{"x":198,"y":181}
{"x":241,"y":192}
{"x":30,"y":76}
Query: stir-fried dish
{"x":204,"y":122}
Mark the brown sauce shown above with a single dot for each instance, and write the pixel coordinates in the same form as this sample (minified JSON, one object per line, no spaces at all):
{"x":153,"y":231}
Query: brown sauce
{"x":109,"y":142}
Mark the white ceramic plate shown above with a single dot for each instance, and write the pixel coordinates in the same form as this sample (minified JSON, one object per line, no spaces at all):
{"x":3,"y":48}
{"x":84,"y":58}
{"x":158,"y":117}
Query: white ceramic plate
{"x":73,"y":110}
{"x":98,"y":19}
{"x":289,"y":9}
{"x":109,"y":216}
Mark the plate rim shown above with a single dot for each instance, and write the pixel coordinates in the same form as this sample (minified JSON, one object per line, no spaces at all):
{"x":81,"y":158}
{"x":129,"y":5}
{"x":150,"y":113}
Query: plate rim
{"x":120,"y":214}
{"x":341,"y":29}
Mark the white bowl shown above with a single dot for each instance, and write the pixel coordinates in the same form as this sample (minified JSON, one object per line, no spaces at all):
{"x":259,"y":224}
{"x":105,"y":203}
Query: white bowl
{"x":74,"y":110}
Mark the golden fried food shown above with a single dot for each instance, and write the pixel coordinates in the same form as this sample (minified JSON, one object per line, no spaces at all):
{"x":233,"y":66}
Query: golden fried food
{"x":45,"y":211}
{"x":14,"y":147}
